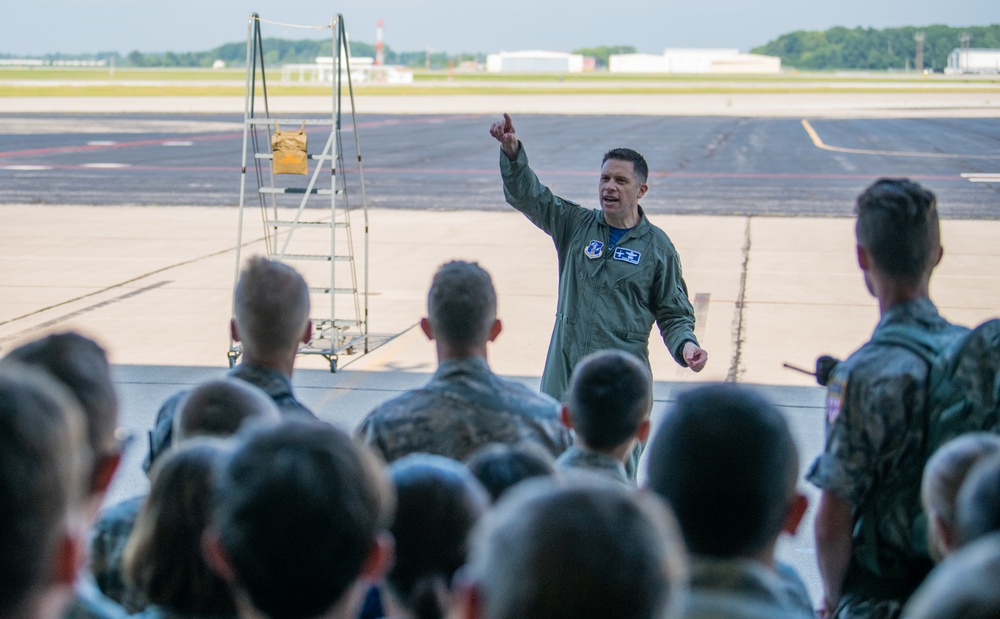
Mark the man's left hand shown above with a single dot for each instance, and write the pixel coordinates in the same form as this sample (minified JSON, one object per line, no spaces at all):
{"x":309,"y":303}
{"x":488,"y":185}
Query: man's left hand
{"x":695,"y":356}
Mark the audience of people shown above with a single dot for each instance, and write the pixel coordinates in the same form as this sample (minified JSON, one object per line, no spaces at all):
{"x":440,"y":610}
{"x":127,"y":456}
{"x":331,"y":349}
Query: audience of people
{"x":257,"y":510}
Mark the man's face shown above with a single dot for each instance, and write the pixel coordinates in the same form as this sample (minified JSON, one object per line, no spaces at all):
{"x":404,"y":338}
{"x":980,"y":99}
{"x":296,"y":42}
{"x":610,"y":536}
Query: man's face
{"x":619,"y":192}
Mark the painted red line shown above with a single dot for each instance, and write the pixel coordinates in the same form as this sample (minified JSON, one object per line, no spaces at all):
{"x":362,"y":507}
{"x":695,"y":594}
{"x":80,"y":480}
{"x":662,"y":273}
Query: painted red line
{"x":346,"y":127}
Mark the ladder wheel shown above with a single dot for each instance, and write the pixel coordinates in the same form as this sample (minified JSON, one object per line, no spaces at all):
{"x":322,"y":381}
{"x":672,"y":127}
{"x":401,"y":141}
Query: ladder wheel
{"x":333,"y":366}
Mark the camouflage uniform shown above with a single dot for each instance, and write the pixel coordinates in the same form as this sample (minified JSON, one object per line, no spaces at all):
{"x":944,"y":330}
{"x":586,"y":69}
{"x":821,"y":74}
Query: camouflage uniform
{"x":107,"y":549}
{"x":874,"y":457}
{"x":464,"y":407}
{"x":743,"y":589}
{"x":576,"y":458}
{"x":609,"y":297}
{"x":271,"y":382}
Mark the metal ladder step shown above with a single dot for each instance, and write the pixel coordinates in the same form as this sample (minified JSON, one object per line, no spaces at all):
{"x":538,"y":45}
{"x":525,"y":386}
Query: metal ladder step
{"x":298,"y":190}
{"x":313,"y":156}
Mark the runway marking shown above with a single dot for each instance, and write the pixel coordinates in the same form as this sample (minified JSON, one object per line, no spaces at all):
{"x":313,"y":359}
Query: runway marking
{"x":179,"y":143}
{"x":991,"y":177}
{"x":818,"y":143}
{"x":25,"y":168}
{"x":101,"y":143}
{"x":105,"y":166}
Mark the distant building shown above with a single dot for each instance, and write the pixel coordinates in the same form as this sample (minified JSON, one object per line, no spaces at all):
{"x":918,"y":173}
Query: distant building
{"x":219,"y":64}
{"x":534,"y":61}
{"x":695,"y":61}
{"x":973,"y":61}
{"x":363,"y":69}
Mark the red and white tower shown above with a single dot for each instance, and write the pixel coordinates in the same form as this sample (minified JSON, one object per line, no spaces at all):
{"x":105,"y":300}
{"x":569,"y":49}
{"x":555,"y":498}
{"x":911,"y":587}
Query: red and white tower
{"x":379,"y":52}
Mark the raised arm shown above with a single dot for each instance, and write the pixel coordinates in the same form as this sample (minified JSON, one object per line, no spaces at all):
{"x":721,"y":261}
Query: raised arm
{"x":503,"y":131}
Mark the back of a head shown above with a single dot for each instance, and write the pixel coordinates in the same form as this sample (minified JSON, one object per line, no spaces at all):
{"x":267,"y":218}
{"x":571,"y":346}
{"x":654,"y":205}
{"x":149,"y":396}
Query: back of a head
{"x":977,"y":509}
{"x":597,"y":551}
{"x":948,"y":468}
{"x":81,"y":365}
{"x":724,"y":459}
{"x":964,"y":586}
{"x":898,"y":225}
{"x":43,"y":465}
{"x":299,"y":508}
{"x":271,"y":307}
{"x":163,"y":557}
{"x":500,"y":467}
{"x":438,"y":501}
{"x":221,"y":407}
{"x":609,"y":395}
{"x":462,"y":304}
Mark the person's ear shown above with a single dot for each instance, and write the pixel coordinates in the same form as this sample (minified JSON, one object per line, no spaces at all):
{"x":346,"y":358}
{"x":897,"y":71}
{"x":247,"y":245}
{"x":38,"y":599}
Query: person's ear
{"x":495,"y":330}
{"x":468,"y":598}
{"x":864,"y":258}
{"x":940,"y":254}
{"x":944,"y":532}
{"x":642,"y":432}
{"x":216,"y":557}
{"x":565,"y":417}
{"x":104,"y":471}
{"x":380,"y":558}
{"x":69,"y":556}
{"x":425,"y":326}
{"x":307,"y":334}
{"x":796,"y":512}
{"x":233,"y":330}
{"x":643,"y":188}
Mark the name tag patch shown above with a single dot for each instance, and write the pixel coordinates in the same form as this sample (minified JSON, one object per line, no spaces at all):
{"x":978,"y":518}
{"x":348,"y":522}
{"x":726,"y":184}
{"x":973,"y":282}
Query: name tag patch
{"x":627,"y":255}
{"x":594,"y":250}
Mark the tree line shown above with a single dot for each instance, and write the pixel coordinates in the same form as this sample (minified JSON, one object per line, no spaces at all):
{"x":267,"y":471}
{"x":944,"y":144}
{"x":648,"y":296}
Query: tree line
{"x":877,"y":49}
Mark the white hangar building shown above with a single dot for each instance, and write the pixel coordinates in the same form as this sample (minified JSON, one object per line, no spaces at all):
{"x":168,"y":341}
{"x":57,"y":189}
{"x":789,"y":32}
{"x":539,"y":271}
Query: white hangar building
{"x":695,"y":61}
{"x":534,"y":61}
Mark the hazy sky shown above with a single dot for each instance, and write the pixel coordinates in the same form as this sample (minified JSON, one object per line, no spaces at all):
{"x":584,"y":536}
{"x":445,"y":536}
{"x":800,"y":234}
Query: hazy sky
{"x":77,"y":26}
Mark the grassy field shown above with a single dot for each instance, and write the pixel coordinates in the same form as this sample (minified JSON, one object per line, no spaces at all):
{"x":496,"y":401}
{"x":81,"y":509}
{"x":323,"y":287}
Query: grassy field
{"x":57,"y":82}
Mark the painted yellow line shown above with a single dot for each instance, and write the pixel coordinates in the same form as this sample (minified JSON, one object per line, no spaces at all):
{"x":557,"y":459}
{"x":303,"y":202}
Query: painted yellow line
{"x":818,"y":143}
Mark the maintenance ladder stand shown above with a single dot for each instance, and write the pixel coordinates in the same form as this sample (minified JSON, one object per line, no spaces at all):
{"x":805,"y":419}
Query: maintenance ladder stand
{"x":322,"y":237}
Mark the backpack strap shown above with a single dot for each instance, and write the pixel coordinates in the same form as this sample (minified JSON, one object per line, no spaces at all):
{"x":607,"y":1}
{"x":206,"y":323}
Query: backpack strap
{"x":925,"y":345}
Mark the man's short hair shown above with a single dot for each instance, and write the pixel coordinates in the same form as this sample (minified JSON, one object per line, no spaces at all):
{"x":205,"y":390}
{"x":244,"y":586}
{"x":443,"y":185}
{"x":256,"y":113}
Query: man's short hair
{"x":724,"y":459}
{"x":944,"y":474}
{"x":963,"y":586}
{"x":500,"y":467}
{"x":609,"y":395}
{"x":43,"y":467}
{"x":438,"y":501}
{"x":898,"y":225}
{"x":627,"y":154}
{"x":300,"y":506}
{"x":462,"y":304}
{"x":583,"y":551}
{"x":221,"y":407}
{"x":81,"y":365}
{"x":271,"y":306}
{"x":163,"y":557}
{"x":977,"y":512}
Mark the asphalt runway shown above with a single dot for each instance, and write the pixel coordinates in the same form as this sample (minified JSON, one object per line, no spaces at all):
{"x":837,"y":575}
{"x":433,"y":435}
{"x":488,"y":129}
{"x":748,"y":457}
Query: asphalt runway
{"x":698,"y":165}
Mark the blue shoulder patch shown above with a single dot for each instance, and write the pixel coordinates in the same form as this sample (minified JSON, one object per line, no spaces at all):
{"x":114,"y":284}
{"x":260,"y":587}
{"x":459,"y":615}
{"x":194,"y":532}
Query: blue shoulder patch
{"x":594,"y":250}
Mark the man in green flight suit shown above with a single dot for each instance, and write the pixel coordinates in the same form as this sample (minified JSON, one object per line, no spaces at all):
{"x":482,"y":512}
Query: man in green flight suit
{"x":618,"y":273}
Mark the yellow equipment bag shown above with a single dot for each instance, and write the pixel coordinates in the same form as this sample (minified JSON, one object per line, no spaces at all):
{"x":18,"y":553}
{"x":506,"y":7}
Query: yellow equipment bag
{"x":289,"y":151}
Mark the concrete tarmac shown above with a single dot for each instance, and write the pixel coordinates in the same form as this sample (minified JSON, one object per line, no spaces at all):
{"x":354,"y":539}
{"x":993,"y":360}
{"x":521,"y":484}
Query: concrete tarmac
{"x":153,"y":285}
